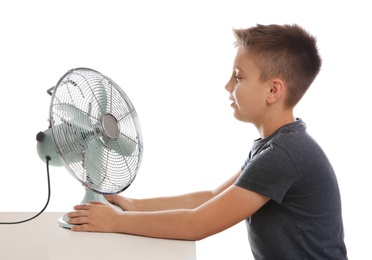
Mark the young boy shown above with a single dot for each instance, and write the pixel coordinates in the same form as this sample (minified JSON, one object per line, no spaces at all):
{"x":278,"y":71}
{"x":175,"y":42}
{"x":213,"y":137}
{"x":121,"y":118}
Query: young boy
{"x":286,"y":190}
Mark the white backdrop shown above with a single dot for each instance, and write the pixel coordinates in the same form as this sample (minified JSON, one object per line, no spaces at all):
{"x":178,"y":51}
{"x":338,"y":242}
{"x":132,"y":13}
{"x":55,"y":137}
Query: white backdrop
{"x":173,"y":59}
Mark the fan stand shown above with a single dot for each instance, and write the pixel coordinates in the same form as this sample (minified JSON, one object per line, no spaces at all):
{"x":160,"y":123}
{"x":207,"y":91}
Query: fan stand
{"x":89,"y":196}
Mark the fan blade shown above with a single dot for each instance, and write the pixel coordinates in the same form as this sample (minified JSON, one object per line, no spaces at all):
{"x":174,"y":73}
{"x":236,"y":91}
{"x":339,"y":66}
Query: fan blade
{"x":100,"y":95}
{"x":94,"y":165}
{"x":73,"y":116}
{"x":126,"y":146}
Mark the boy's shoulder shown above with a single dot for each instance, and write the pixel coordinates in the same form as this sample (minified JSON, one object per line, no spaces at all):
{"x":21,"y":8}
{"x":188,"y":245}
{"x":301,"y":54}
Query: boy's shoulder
{"x":295,"y":140}
{"x":288,"y":134}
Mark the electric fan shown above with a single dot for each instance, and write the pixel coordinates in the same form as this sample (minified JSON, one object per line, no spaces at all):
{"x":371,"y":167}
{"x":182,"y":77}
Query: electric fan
{"x":94,"y":132}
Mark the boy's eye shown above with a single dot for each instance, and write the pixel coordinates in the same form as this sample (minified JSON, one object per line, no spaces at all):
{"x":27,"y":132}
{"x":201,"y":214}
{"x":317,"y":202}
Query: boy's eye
{"x":237,"y":78}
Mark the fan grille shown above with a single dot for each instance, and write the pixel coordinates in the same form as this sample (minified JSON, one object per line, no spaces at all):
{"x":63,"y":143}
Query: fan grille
{"x":104,"y":155}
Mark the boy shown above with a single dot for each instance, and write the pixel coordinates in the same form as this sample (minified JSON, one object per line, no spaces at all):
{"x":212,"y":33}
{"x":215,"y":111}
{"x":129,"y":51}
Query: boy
{"x":286,"y":190}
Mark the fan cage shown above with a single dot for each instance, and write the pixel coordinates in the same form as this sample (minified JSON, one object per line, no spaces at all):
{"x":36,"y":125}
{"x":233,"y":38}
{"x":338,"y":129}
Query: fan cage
{"x":80,"y":101}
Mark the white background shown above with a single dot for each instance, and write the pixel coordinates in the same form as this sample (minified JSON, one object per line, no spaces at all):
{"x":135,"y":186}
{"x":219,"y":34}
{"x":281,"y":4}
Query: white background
{"x":173,"y":59}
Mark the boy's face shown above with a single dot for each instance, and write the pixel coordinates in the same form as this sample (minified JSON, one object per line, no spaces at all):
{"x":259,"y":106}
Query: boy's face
{"x":247,"y":92}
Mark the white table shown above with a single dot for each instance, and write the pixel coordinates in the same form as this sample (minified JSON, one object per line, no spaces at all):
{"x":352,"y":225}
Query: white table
{"x":42,"y":239}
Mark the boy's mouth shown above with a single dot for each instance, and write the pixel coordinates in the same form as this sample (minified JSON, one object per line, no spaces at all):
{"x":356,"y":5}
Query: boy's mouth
{"x":232,"y":100}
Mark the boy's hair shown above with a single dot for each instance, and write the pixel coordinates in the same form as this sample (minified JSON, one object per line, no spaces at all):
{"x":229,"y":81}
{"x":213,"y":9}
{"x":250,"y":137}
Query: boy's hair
{"x":285,"y":51}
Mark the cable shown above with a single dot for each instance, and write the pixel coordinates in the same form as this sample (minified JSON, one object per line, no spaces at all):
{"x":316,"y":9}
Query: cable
{"x":46,"y":204}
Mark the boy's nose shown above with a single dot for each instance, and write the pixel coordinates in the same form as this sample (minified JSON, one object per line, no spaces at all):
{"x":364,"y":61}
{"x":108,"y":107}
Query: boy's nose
{"x":228,"y":86}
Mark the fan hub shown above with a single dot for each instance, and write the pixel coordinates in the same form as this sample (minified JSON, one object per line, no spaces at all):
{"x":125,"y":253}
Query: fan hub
{"x":110,"y":126}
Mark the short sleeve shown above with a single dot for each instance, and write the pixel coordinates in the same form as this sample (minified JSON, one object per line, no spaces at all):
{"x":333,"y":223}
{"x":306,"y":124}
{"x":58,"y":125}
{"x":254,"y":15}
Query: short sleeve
{"x":270,"y":173}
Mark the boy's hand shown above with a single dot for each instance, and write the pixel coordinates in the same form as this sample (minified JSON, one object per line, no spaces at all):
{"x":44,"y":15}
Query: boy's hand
{"x":122,"y":202}
{"x":93,"y":217}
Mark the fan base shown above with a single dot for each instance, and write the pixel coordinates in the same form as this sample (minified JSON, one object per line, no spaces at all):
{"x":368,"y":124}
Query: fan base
{"x":62,"y":222}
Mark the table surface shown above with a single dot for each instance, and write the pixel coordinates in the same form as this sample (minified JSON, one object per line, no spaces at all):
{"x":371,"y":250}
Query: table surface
{"x":42,"y":238}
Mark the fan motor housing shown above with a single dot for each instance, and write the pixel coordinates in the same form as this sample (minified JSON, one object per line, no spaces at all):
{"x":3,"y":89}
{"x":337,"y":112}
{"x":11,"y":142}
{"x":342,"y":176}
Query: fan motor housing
{"x":45,"y":147}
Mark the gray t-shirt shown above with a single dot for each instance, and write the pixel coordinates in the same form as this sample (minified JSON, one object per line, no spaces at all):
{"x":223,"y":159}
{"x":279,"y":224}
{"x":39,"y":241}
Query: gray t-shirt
{"x":302,"y":219}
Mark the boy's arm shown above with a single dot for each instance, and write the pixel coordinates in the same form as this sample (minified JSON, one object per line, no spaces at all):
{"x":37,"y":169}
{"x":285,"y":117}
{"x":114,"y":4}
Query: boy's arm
{"x":224,"y":210}
{"x":185,"y":201}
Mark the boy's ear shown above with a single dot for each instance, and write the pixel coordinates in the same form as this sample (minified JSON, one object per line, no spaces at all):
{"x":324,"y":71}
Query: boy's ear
{"x":275,"y":91}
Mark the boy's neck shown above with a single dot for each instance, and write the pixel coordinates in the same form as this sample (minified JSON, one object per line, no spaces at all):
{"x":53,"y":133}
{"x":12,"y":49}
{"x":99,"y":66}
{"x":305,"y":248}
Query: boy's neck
{"x":273,"y":123}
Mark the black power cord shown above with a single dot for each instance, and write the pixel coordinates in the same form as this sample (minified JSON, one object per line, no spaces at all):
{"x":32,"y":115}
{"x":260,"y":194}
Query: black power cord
{"x":46,"y":205}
